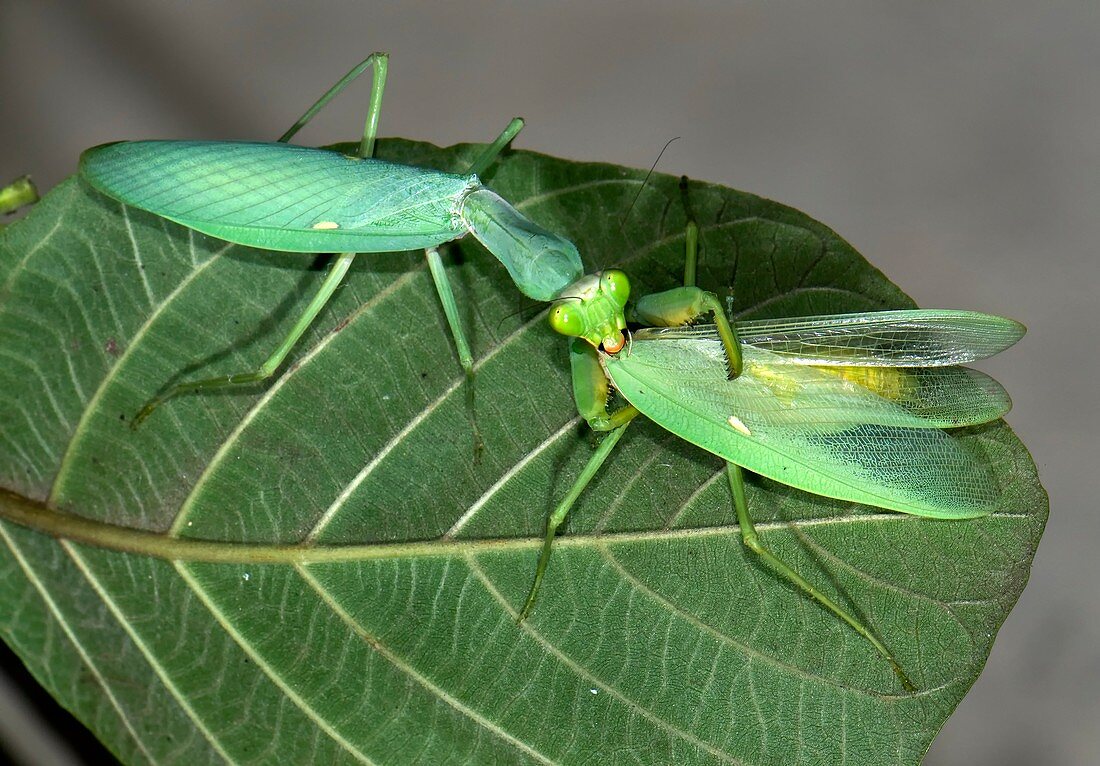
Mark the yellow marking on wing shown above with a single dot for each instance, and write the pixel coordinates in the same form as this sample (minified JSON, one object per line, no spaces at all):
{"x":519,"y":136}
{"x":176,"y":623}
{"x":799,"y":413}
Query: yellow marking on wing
{"x":890,"y":383}
{"x":779,"y":383}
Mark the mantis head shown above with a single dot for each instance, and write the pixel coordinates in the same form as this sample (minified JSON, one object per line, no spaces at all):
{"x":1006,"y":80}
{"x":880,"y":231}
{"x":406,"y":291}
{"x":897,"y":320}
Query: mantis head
{"x":593,"y":308}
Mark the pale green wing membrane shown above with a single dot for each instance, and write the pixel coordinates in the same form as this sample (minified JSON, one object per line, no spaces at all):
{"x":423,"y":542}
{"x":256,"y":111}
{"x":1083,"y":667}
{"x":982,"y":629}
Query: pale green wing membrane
{"x":943,"y":397}
{"x":913,"y":338}
{"x":281,"y":196}
{"x":940,"y":397}
{"x":814,"y":428}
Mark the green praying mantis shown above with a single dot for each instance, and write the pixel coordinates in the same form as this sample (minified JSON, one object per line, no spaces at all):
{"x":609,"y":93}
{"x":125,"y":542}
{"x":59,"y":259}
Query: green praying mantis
{"x":283,"y":197}
{"x":849,"y":406}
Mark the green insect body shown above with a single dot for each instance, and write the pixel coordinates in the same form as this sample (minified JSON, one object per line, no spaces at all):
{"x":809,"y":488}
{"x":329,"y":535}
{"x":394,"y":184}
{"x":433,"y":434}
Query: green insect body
{"x":278,"y":196}
{"x":849,"y":406}
{"x":870,"y":435}
{"x":281,"y":197}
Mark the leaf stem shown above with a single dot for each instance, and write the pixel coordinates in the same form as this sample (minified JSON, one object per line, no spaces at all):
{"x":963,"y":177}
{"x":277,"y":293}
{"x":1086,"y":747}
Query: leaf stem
{"x":37,"y":516}
{"x":41,"y":518}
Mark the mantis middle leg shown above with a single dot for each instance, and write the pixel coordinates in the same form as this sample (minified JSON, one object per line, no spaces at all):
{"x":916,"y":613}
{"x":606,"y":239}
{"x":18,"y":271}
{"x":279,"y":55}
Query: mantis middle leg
{"x":591,"y":391}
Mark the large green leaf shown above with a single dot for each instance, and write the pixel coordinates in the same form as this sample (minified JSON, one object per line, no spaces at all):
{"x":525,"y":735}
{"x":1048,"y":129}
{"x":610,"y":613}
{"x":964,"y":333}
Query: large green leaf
{"x":392,"y":638}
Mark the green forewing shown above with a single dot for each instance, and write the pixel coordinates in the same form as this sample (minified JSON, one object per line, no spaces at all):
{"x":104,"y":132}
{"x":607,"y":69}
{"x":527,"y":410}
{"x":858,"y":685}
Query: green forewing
{"x":811,"y":427}
{"x":910,"y":338}
{"x":281,"y":196}
{"x":861,"y":349}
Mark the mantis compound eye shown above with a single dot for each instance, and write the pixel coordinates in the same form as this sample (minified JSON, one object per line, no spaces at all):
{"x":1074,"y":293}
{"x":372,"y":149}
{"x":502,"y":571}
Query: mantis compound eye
{"x":616,"y":286}
{"x":566,"y":319}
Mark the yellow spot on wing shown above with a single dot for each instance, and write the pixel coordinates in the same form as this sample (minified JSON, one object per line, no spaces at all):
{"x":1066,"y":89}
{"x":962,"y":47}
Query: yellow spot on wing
{"x":778,"y":383}
{"x":735,"y":421}
{"x":890,"y":383}
{"x":326,"y":225}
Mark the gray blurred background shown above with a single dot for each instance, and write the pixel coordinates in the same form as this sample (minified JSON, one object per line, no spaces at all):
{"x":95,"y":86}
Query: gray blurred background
{"x":956,"y":147}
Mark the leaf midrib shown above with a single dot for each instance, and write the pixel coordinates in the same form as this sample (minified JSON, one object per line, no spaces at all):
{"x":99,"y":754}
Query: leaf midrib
{"x":64,"y":525}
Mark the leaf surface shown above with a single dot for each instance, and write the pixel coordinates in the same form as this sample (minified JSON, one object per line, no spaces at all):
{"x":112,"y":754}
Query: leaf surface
{"x":656,"y":639}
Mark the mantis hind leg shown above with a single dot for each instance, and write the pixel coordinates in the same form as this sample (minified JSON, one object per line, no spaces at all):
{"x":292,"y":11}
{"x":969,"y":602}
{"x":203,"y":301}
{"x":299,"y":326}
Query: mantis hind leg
{"x":335,"y":274}
{"x":380,"y":64}
{"x":752,"y":542}
{"x":736,"y":478}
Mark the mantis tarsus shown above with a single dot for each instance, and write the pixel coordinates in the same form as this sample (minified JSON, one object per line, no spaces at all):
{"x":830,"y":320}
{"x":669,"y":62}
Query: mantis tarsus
{"x":297,"y":199}
{"x":846,"y":406}
{"x":19,"y":193}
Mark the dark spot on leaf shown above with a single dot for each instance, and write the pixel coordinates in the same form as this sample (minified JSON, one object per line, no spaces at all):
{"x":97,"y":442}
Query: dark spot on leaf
{"x":111,"y":347}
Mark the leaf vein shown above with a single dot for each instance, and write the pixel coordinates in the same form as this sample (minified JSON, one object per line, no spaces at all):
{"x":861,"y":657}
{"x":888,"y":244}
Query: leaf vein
{"x":580,"y":670}
{"x":398,"y":662}
{"x":91,"y":408}
{"x":268,"y":670}
{"x":145,"y":650}
{"x":70,"y":633}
